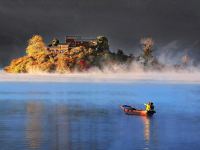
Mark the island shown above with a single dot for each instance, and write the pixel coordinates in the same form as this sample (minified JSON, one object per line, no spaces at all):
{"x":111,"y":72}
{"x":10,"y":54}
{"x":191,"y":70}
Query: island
{"x":76,"y":54}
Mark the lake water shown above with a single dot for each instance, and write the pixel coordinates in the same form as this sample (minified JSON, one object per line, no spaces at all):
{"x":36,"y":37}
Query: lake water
{"x":86,"y":116}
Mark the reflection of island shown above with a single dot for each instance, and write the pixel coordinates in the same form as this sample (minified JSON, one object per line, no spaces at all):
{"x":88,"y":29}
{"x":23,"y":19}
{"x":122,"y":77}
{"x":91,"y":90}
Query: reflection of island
{"x":76,"y":127}
{"x":88,"y":128}
{"x":64,"y":127}
{"x":61,"y":127}
{"x":34,"y":124}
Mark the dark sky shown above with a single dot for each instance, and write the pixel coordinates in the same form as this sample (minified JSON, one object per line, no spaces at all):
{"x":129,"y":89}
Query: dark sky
{"x":173,"y":23}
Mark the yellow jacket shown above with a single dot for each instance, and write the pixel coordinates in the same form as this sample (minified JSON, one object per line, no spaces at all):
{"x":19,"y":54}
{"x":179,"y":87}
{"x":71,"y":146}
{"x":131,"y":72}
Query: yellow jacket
{"x":148,"y":107}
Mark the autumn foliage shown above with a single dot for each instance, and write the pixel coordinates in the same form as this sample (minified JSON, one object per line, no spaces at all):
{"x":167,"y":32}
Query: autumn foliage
{"x":35,"y":45}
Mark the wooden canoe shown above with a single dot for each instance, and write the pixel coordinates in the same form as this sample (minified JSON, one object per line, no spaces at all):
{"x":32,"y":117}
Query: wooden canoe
{"x":133,"y":111}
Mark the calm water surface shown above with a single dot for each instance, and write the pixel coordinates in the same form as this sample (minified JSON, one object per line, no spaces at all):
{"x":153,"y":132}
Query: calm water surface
{"x":84,"y":116}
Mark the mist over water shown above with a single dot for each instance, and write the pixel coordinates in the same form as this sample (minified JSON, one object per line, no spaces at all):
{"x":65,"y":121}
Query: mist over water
{"x":117,"y":75}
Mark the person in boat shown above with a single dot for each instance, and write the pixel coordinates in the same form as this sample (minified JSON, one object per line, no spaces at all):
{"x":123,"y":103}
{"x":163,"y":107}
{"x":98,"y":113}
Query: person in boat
{"x":149,"y":106}
{"x":152,"y":106}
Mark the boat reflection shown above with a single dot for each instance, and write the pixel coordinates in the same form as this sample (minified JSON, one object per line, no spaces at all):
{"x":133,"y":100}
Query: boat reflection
{"x":147,"y":132}
{"x":150,"y":131}
{"x":146,"y":121}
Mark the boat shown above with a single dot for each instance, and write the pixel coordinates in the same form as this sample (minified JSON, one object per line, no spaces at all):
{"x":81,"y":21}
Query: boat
{"x":133,"y":111}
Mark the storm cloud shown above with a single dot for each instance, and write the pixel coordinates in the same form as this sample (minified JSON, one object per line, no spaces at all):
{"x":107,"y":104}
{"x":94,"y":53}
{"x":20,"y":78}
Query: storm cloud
{"x":124,"y":22}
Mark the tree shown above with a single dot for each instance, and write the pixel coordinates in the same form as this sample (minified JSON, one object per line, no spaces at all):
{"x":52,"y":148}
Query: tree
{"x":185,"y":60}
{"x":147,"y":45}
{"x":120,"y":52}
{"x":54,"y":42}
{"x":102,"y":43}
{"x":35,"y":45}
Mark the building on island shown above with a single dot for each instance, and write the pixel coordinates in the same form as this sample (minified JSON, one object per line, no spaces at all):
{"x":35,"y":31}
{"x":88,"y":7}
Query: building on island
{"x":70,"y":42}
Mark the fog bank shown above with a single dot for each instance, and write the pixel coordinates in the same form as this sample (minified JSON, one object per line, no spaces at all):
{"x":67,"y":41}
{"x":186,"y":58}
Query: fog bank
{"x":106,"y":77}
